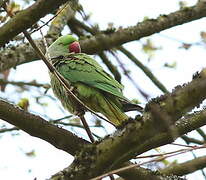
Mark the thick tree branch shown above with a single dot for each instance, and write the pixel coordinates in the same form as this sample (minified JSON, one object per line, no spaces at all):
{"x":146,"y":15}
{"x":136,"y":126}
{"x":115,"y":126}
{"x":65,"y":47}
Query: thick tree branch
{"x":23,"y":53}
{"x":26,"y":18}
{"x":38,"y":127}
{"x":183,"y":98}
{"x":125,"y":144}
{"x":186,"y":167}
{"x":148,"y":27}
{"x":135,"y":138}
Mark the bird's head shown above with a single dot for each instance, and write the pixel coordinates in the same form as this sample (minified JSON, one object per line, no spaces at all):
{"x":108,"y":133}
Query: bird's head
{"x":63,"y":46}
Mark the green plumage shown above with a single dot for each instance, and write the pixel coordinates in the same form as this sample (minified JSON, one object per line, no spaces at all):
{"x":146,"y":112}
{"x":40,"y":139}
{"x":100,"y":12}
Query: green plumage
{"x":92,"y":85}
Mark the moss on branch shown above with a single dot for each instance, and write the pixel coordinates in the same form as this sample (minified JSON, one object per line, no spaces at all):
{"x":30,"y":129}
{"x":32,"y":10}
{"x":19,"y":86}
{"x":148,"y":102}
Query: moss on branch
{"x":186,"y":167}
{"x":137,"y":138}
{"x":148,"y":27}
{"x":38,"y":127}
{"x":26,"y":18}
{"x":12,"y":57}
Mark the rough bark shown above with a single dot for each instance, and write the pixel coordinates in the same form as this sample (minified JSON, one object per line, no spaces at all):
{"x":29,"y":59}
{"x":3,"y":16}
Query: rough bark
{"x":137,"y":138}
{"x":38,"y":127}
{"x":23,"y":53}
{"x":186,"y":167}
{"x":26,"y":18}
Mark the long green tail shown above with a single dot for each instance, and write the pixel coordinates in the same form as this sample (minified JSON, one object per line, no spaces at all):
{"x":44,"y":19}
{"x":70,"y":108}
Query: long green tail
{"x":114,"y":113}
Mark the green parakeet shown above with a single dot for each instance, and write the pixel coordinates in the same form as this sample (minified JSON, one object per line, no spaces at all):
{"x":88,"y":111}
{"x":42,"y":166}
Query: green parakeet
{"x":92,"y":85}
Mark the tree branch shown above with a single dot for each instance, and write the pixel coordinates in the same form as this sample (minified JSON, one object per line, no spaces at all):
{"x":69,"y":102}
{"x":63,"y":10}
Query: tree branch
{"x":113,"y":69}
{"x":189,"y":140}
{"x":186,"y":167}
{"x":23,"y":53}
{"x":26,"y":18}
{"x":141,"y":174}
{"x":3,"y":130}
{"x":201,"y":133}
{"x":38,"y":127}
{"x":22,"y":83}
{"x":135,"y":138}
{"x":148,"y":27}
{"x":183,"y":98}
{"x":144,"y":68}
{"x":124,"y":145}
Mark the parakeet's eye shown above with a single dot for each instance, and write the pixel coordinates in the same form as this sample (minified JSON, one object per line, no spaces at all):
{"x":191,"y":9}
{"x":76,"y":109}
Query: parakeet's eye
{"x":75,"y":47}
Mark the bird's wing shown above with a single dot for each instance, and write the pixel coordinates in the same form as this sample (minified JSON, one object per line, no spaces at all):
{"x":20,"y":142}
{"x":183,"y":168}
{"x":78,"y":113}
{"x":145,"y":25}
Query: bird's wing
{"x":82,"y":68}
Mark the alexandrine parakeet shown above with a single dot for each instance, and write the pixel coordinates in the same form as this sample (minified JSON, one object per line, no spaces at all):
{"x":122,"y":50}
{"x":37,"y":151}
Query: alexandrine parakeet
{"x":92,"y":85}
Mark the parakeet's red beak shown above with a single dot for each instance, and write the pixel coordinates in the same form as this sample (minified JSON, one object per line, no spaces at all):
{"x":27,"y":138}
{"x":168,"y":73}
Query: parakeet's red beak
{"x":75,"y":47}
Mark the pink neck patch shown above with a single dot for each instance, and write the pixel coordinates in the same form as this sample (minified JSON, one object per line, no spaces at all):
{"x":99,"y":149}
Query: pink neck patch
{"x":75,"y":47}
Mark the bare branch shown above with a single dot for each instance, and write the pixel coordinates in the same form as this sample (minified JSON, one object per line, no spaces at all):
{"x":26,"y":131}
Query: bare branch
{"x":145,"y":69}
{"x":89,"y":133}
{"x":23,"y":53}
{"x":125,"y":144}
{"x":148,"y":27}
{"x":202,"y":133}
{"x":38,"y":127}
{"x":26,"y":18}
{"x":189,"y":140}
{"x":141,"y":138}
{"x":186,"y":167}
{"x":140,"y":173}
{"x":135,"y":138}
{"x":22,"y":83}
{"x":3,"y":130}
{"x":110,"y":66}
{"x":183,"y":98}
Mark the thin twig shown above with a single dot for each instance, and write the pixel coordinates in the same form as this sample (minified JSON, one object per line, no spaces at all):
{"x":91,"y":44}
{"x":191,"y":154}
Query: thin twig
{"x":21,"y":83}
{"x":189,"y":140}
{"x":143,"y":163}
{"x":145,"y":95}
{"x":201,"y":133}
{"x":3,"y":130}
{"x":60,"y":119}
{"x":195,"y":157}
{"x":66,"y":4}
{"x":182,"y":145}
{"x":110,"y":66}
{"x":191,"y":148}
{"x":145,"y":69}
{"x":84,"y":122}
{"x":76,"y":126}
